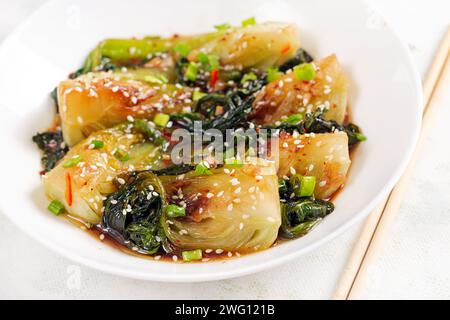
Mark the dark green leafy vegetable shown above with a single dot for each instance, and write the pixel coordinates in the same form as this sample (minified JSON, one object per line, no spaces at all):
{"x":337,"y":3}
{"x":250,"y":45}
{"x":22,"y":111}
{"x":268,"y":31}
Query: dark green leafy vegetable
{"x":54,"y":96}
{"x":174,"y":170}
{"x":132,"y":214}
{"x":298,"y":217}
{"x":301,"y":57}
{"x":53,"y":147}
{"x":314,"y":122}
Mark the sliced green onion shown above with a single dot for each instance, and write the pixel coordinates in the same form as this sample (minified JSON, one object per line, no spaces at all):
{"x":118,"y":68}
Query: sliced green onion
{"x":182,"y":48}
{"x":248,"y":77}
{"x":97,"y":144}
{"x":249,"y":22}
{"x":294,"y":119}
{"x":192,"y":255}
{"x":161,"y":79}
{"x":161,"y":119}
{"x":273,"y":74}
{"x":213,"y":61}
{"x":174,"y":211}
{"x":202,"y":57}
{"x":198,"y":95}
{"x":72,"y":162}
{"x":202,"y":168}
{"x":303,"y":186}
{"x":223,"y":26}
{"x":191,"y":71}
{"x":121,"y":155}
{"x":56,"y":207}
{"x":360,"y":136}
{"x":305,"y":72}
{"x":233,"y":163}
{"x":210,"y":61}
{"x":307,"y":186}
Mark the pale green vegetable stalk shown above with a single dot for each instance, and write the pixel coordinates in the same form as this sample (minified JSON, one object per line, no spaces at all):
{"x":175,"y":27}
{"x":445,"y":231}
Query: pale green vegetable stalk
{"x":259,"y":45}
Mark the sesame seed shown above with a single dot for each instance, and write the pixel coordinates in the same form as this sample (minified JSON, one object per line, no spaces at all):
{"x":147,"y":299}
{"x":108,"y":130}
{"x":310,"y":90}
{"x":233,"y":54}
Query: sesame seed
{"x":219,"y":251}
{"x":292,"y":170}
{"x":237,"y":190}
{"x":102,"y":237}
{"x":241,"y":226}
{"x":209,"y":195}
{"x":259,"y":178}
{"x":174,"y":258}
{"x":220,"y":193}
{"x":311,"y":167}
{"x":234,"y":182}
{"x":157,"y":257}
{"x":208,"y":250}
{"x":322,"y":183}
{"x":245,"y":216}
{"x":230,"y":207}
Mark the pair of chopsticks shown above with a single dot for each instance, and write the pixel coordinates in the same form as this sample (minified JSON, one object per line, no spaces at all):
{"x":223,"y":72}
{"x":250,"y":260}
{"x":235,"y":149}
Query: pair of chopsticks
{"x":373,"y":233}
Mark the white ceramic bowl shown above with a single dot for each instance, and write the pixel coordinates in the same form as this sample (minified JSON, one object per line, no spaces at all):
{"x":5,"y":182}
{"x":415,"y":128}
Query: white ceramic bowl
{"x":385,"y":100}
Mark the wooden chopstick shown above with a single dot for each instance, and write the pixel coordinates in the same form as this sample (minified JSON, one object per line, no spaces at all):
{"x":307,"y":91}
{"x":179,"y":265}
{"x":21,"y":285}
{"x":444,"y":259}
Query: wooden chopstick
{"x":370,"y":239}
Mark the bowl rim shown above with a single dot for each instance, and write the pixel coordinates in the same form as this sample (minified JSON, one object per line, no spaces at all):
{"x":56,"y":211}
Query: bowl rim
{"x":252,"y":268}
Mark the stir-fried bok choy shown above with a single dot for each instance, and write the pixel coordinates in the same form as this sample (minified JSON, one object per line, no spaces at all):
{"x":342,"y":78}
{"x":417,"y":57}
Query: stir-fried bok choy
{"x":197,"y":146}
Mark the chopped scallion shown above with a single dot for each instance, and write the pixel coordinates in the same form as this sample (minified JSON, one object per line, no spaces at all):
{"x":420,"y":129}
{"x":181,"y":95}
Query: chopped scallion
{"x":203,"y":168}
{"x":249,"y":22}
{"x":248,"y":77}
{"x":161,"y":119}
{"x":213,"y":61}
{"x":191,"y":71}
{"x":56,"y":207}
{"x":294,"y":119}
{"x":307,"y":185}
{"x":202,"y":57}
{"x":97,"y":144}
{"x":273,"y":74}
{"x":174,"y":211}
{"x":72,"y":162}
{"x":305,"y":72}
{"x":192,"y":255}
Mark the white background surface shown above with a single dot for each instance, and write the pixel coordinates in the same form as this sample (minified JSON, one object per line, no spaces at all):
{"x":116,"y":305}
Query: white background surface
{"x":414,"y":263}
